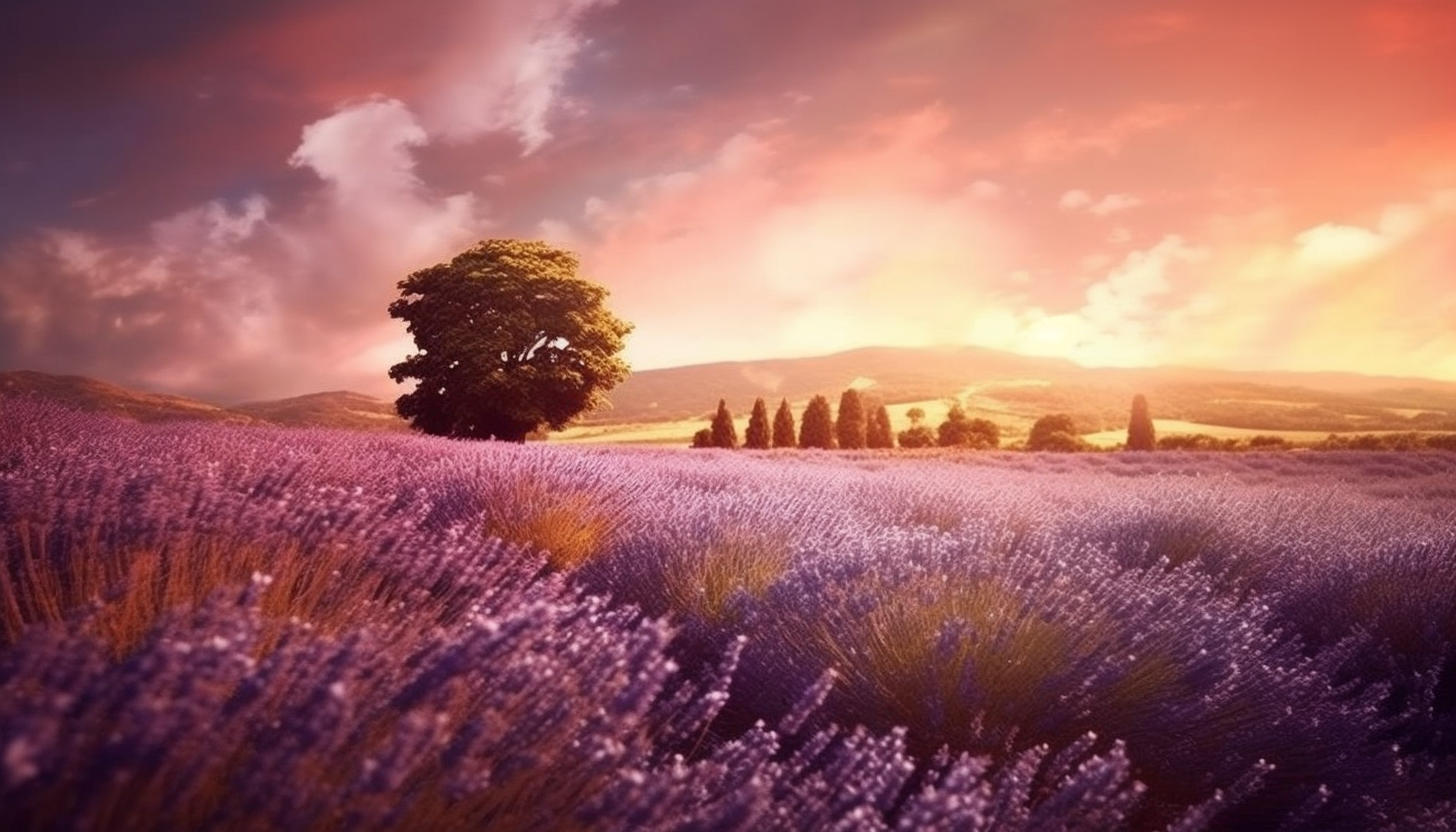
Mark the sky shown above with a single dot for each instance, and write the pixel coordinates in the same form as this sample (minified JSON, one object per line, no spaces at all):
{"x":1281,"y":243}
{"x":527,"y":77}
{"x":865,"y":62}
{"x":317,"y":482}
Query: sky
{"x":219,"y":199}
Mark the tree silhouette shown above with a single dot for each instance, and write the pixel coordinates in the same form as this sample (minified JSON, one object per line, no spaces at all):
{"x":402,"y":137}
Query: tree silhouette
{"x":510,"y":341}
{"x":1140,"y":434}
{"x":723,"y":433}
{"x":849,"y":428}
{"x":783,"y":427}
{"x":757,"y":434}
{"x":1055,"y":432}
{"x":703,"y":438}
{"x":816,"y":429}
{"x":878,"y":433}
{"x":961,"y":431}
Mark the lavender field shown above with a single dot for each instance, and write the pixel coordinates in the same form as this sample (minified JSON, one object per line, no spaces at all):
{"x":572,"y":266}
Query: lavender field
{"x":245,"y":628}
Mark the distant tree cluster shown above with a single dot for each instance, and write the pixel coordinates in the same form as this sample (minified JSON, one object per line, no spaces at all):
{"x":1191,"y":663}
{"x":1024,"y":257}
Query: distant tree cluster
{"x":859,"y":424}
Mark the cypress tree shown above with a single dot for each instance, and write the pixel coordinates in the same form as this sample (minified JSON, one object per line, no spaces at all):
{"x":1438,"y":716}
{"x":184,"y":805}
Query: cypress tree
{"x":725,"y":435}
{"x":1140,"y":435}
{"x":850,"y":428}
{"x":783,"y":427}
{"x":757,"y":436}
{"x":878,"y":433}
{"x":816,"y":430}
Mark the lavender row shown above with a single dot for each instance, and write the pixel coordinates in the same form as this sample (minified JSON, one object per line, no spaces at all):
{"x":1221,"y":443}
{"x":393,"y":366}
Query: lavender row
{"x":1237,"y":642}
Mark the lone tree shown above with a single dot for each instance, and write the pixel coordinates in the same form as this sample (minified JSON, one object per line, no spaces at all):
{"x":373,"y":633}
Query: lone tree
{"x":510,"y":341}
{"x":723,"y":433}
{"x":1056,"y":432}
{"x":783,"y":427}
{"x":816,"y":430}
{"x":878,"y":433}
{"x":917,"y":435}
{"x":960,"y":431}
{"x":849,"y":429}
{"x":1140,"y":435}
{"x":757,"y":435}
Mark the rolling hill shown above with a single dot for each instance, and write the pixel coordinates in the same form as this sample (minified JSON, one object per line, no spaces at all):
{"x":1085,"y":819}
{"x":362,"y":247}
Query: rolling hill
{"x":91,"y":395}
{"x":1016,"y":389}
{"x":666,"y":405}
{"x":353,"y":411}
{"x":337,"y":409}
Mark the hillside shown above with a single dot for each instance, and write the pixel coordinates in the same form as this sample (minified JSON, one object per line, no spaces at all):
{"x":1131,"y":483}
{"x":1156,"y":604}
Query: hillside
{"x":1017,"y":389}
{"x":338,"y":409}
{"x":91,"y":395}
{"x":667,"y":405}
{"x":892,"y":373}
{"x":352,"y":411}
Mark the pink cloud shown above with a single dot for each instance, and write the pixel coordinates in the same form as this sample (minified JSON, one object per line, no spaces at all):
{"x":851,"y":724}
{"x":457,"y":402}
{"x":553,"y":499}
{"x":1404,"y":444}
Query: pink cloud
{"x":1062,"y":136}
{"x":761,"y":178}
{"x":803,"y":248}
{"x":237,"y":301}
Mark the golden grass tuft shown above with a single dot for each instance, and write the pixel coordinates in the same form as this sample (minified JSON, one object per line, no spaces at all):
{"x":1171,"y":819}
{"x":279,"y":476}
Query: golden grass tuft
{"x":127,"y":590}
{"x":570,"y":528}
{"x":120,"y":596}
{"x":943,"y":656}
{"x":704,"y":583}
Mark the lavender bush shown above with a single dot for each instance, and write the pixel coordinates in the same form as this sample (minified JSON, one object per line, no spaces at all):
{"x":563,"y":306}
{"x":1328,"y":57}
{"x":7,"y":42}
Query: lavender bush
{"x":447,"y":635}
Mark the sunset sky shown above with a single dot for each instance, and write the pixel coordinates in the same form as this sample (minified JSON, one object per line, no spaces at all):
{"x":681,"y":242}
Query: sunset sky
{"x":218,"y":198}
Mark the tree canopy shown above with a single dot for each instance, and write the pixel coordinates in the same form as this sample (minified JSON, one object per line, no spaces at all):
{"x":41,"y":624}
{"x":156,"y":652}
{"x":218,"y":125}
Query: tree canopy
{"x":878,"y":433}
{"x":849,"y":427}
{"x":1055,"y":432}
{"x":1140,"y":434}
{"x":757,"y":434}
{"x":723,"y":433}
{"x":917,"y":436}
{"x":783,"y":427}
{"x":816,"y":429}
{"x":511,"y":340}
{"x":960,"y":431}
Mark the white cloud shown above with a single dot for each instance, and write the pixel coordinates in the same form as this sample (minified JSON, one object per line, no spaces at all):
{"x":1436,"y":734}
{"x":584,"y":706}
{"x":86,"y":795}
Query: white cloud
{"x":1124,"y":297}
{"x":1331,"y":246}
{"x":984,"y":189}
{"x":211,"y":224}
{"x":1114,"y":203}
{"x":1077,"y":200}
{"x":511,"y":79}
{"x":364,"y":148}
{"x":1074,"y":200}
{"x":221,"y":296}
